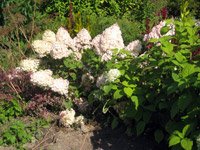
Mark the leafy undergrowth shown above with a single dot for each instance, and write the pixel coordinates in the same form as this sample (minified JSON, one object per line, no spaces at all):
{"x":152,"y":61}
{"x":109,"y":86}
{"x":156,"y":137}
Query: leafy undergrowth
{"x":16,"y":130}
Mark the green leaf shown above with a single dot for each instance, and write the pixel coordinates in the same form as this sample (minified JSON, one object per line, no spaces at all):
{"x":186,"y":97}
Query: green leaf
{"x":107,"y":89}
{"x":178,"y":133}
{"x":159,"y":136}
{"x":175,"y":77}
{"x":188,"y":70}
{"x":128,"y":91}
{"x":174,"y":140}
{"x":168,"y":49}
{"x":185,"y":130}
{"x":1,"y":142}
{"x":174,"y":110}
{"x":150,"y":107}
{"x":186,"y":144}
{"x":12,"y":139}
{"x":164,"y":30}
{"x":125,"y":83}
{"x":180,"y":57}
{"x":184,"y":101}
{"x":118,"y":94}
{"x":140,"y":127}
{"x":146,"y":116}
{"x":172,"y":88}
{"x":115,"y":123}
{"x":135,"y":100}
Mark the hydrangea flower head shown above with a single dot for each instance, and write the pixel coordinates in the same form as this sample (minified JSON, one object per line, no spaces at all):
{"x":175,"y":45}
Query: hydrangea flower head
{"x":112,"y":75}
{"x":64,"y":37}
{"x":42,"y":78}
{"x":60,"y":50}
{"x":29,"y":64}
{"x":134,"y":47}
{"x":49,"y":36}
{"x":60,"y":86}
{"x":42,"y":47}
{"x":67,"y":117}
{"x":83,"y":40}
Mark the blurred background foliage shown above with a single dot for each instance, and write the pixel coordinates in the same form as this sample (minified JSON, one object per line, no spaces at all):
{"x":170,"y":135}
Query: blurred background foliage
{"x":22,"y":20}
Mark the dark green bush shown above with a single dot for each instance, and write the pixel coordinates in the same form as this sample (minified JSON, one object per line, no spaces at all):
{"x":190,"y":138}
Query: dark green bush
{"x":159,"y":90}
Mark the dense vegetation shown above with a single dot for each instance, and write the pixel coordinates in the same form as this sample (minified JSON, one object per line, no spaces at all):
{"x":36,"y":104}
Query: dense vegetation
{"x":156,"y":93}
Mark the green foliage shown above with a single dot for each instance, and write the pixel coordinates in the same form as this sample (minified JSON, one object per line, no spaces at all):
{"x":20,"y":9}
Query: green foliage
{"x":174,"y":7}
{"x":179,"y":138}
{"x":9,"y":110}
{"x":161,"y":86}
{"x":16,"y":134}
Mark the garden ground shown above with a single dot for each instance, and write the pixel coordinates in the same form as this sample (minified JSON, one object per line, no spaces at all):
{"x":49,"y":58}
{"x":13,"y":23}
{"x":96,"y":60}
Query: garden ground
{"x":91,"y":137}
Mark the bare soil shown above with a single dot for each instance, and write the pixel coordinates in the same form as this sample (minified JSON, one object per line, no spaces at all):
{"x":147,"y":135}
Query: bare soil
{"x":98,"y":139}
{"x":91,"y":138}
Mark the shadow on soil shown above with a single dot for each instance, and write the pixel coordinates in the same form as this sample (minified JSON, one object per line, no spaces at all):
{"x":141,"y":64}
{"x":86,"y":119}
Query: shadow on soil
{"x":108,"y":139}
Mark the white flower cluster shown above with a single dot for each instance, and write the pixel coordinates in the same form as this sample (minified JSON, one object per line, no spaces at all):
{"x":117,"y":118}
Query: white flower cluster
{"x":61,"y":45}
{"x":155,"y":33}
{"x":107,"y":77}
{"x":60,"y":50}
{"x":49,"y":36}
{"x":60,"y":86}
{"x":44,"y":79}
{"x":113,"y":74}
{"x":29,"y":64}
{"x":64,"y":37}
{"x":83,"y":40}
{"x":41,"y":47}
{"x":67,"y":118}
{"x":134,"y":47}
{"x":110,"y":39}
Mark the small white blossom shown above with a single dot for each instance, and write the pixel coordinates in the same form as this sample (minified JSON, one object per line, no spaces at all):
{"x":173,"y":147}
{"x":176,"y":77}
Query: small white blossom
{"x":60,"y":50}
{"x":49,"y":36}
{"x":60,"y":86}
{"x":42,"y":47}
{"x":42,"y":78}
{"x":109,"y":76}
{"x":79,"y":120}
{"x":112,"y":75}
{"x":67,"y":117}
{"x":29,"y":64}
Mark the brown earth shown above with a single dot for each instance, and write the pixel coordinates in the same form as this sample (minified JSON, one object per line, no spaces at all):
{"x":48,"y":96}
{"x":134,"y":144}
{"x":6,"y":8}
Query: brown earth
{"x":90,"y":138}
